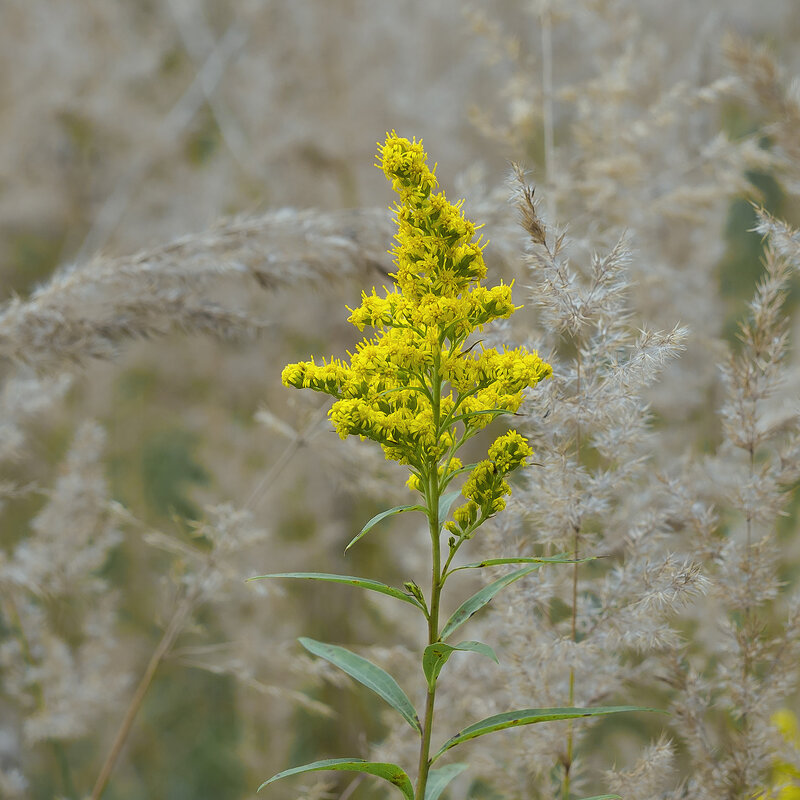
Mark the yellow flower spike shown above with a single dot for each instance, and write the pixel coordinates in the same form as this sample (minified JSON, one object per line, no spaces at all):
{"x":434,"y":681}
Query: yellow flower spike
{"x":421,"y":324}
{"x":509,"y":452}
{"x":405,"y":164}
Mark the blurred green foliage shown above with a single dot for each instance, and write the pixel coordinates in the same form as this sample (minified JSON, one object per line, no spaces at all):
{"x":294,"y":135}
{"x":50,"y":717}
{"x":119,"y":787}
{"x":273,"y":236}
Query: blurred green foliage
{"x":31,"y":255}
{"x":186,"y":740}
{"x":203,"y":140}
{"x":169,"y":469}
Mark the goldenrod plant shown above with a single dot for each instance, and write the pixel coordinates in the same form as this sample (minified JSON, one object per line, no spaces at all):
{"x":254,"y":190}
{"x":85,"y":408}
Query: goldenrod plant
{"x":421,"y":389}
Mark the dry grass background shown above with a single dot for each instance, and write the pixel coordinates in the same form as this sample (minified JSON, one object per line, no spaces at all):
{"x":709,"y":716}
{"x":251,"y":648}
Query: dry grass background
{"x":187,"y":202}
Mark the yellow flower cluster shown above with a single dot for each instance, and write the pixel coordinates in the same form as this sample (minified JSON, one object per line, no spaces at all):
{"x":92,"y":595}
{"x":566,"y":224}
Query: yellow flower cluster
{"x":486,"y":486}
{"x":414,"y":387}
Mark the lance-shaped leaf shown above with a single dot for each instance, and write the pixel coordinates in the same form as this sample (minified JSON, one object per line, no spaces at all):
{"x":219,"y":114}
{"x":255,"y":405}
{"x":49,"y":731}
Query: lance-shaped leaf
{"x":389,"y":772}
{"x":529,"y":716}
{"x":349,"y":580}
{"x":496,"y":562}
{"x":460,"y":471}
{"x":378,"y":517}
{"x":494,"y":412}
{"x":482,"y":597}
{"x":371,"y":675}
{"x":436,"y":655}
{"x":439,"y":778}
{"x":603,"y":797}
{"x":445,"y":504}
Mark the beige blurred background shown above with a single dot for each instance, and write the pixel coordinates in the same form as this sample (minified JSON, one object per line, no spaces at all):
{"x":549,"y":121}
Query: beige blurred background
{"x":125,"y":126}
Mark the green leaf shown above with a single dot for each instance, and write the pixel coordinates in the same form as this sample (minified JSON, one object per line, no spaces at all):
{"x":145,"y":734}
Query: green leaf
{"x":494,"y":562}
{"x":603,"y":797}
{"x":378,"y":517}
{"x":482,"y":597}
{"x":495,"y":412}
{"x":363,"y":583}
{"x":465,"y":468}
{"x":439,"y":778}
{"x":528,"y":716}
{"x":389,"y":772}
{"x":436,"y":655}
{"x":371,"y":675}
{"x":459,"y":471}
{"x":445,"y":503}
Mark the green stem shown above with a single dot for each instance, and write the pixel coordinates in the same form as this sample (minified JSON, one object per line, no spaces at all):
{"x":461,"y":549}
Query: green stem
{"x":433,"y":635}
{"x":446,"y":572}
{"x":455,"y":447}
{"x":453,"y":551}
{"x":63,"y":765}
{"x":432,"y":496}
{"x":459,"y":399}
